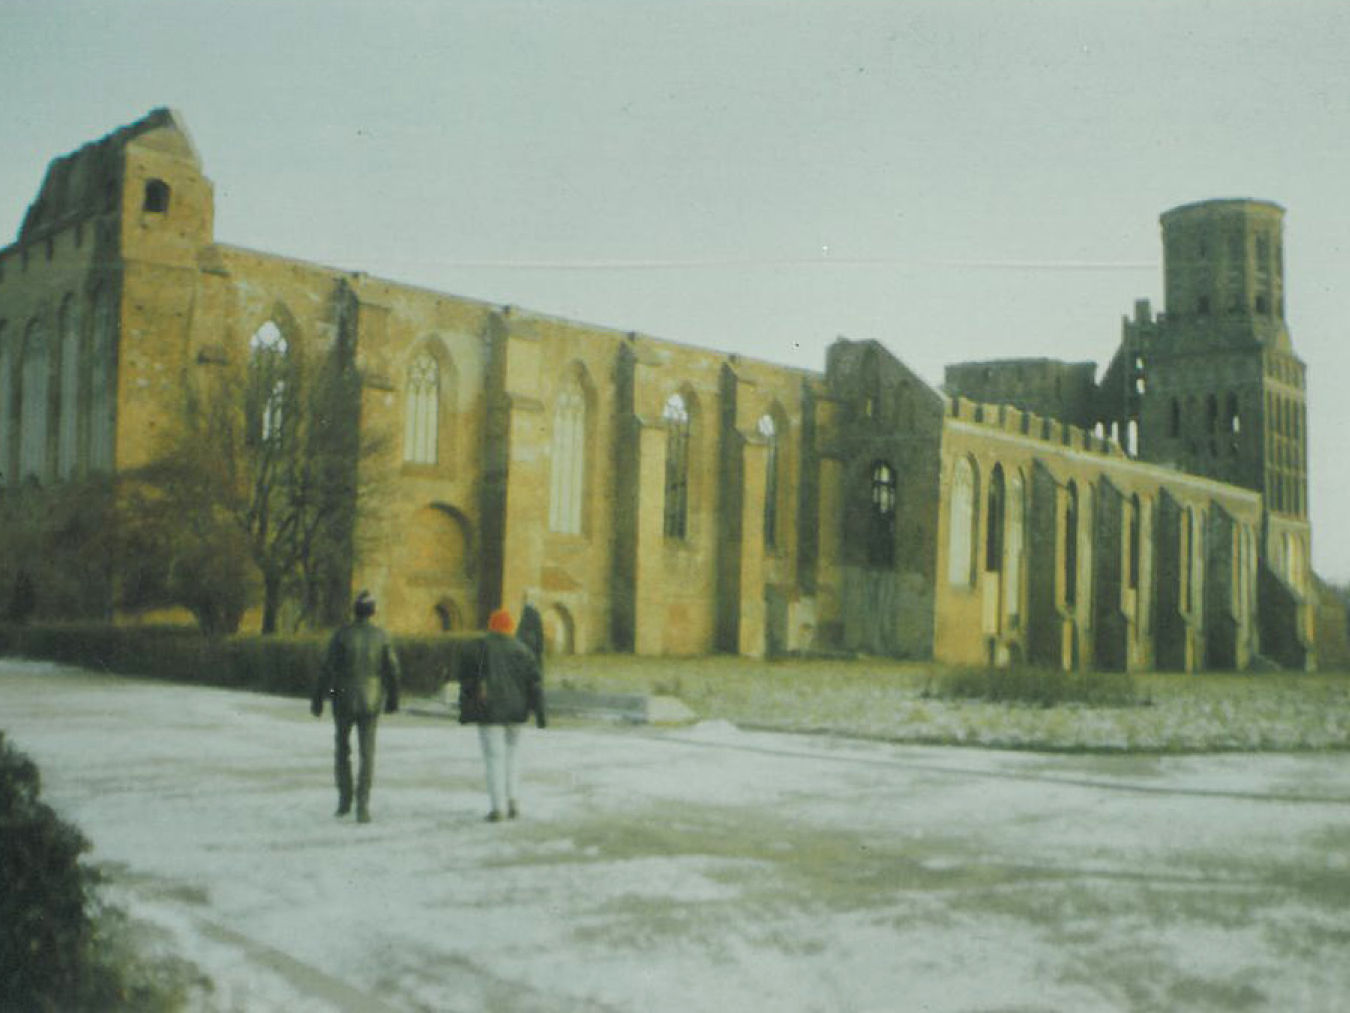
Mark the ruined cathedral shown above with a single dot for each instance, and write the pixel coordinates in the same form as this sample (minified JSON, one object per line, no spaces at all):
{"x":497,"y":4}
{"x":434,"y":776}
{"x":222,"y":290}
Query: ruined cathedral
{"x":657,"y":498}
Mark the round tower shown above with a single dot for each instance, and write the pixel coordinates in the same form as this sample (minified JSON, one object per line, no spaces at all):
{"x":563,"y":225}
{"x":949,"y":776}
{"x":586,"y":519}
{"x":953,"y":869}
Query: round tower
{"x":1223,"y":267}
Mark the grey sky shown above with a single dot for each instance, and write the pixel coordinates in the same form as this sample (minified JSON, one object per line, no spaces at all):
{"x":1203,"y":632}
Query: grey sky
{"x":957,"y":180}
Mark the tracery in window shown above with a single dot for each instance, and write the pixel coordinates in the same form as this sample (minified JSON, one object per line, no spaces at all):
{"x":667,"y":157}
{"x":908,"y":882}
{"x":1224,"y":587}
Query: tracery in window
{"x":422,"y":395}
{"x":676,"y":415}
{"x":268,"y":353}
{"x":568,"y":463}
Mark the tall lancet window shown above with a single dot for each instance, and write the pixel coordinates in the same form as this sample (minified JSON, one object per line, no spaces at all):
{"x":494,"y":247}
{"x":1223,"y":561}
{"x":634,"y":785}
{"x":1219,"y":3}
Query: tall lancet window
{"x":6,"y":404}
{"x":676,"y":415}
{"x":569,"y":460}
{"x":1071,"y":544}
{"x":1013,"y":545}
{"x":881,"y":518}
{"x":34,"y":403}
{"x":423,"y":419}
{"x":961,"y":537}
{"x":67,"y":445}
{"x":102,"y":380}
{"x":769,"y":431}
{"x":268,"y":366}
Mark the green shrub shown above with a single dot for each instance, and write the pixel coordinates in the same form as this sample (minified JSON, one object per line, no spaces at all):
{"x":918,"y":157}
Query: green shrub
{"x":60,"y":947}
{"x":429,"y":662}
{"x":1045,"y":687}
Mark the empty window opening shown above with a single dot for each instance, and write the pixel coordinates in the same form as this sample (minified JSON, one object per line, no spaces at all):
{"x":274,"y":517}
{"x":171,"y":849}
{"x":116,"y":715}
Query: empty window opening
{"x":881,"y":517}
{"x":268,"y":390}
{"x":676,"y":415}
{"x":994,"y":521}
{"x":1071,"y":545}
{"x":1132,"y":552}
{"x":769,"y":431}
{"x":156,"y":196}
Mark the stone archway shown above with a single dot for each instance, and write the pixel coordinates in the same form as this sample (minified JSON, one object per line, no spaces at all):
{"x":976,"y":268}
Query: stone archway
{"x":448,"y":615}
{"x":559,"y":631}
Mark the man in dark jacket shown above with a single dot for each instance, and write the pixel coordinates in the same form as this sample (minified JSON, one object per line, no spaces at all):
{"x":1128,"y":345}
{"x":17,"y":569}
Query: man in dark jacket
{"x":360,"y":672}
{"x":499,"y":691}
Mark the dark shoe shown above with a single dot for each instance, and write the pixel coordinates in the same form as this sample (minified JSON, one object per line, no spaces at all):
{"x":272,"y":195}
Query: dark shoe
{"x":343,"y":809}
{"x":511,"y":811}
{"x":362,"y":815}
{"x":494,"y":817}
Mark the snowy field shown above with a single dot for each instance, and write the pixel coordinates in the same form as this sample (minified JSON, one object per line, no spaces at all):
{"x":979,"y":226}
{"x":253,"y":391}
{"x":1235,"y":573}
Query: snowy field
{"x":701,"y":868}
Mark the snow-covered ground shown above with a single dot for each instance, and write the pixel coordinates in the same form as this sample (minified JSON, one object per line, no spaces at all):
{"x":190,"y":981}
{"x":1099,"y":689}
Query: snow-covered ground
{"x":704,"y":868}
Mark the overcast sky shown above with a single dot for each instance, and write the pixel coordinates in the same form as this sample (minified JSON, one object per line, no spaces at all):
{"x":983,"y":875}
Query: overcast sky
{"x":956,"y":180}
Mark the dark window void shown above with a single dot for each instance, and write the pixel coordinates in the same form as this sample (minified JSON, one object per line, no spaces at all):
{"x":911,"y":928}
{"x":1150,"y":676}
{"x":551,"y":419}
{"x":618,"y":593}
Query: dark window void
{"x":677,"y":468}
{"x":881,"y":517}
{"x":1071,"y":545}
{"x":1135,"y":507}
{"x":156,"y":196}
{"x":993,"y":538}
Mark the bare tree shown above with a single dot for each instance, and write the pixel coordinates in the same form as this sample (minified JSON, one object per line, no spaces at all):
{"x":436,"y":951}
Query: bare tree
{"x":270,"y":459}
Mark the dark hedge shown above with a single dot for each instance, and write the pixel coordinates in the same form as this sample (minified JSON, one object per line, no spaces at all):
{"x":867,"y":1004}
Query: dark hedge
{"x":286,"y":666}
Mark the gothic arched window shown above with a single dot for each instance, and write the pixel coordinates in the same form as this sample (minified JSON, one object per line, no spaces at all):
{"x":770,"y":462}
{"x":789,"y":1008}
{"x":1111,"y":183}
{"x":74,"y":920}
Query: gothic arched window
{"x":881,"y":517}
{"x":676,"y":415}
{"x":769,"y":431}
{"x":6,"y":403}
{"x":1134,"y":547}
{"x":1013,"y":545}
{"x":34,"y":403}
{"x":268,"y":352}
{"x":994,"y":522}
{"x":102,"y":381}
{"x":568,"y":476}
{"x":422,"y":396}
{"x":961,"y":536}
{"x":67,"y":445}
{"x":1071,"y":544}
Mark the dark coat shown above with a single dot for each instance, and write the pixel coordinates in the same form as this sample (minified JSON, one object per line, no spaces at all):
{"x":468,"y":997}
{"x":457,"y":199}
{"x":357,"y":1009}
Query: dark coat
{"x":500,"y":684}
{"x":530,"y":632}
{"x":360,"y":672}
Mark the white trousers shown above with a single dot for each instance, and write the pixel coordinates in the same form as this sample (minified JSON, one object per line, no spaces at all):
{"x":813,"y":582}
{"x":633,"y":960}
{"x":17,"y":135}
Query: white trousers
{"x":500,"y":745}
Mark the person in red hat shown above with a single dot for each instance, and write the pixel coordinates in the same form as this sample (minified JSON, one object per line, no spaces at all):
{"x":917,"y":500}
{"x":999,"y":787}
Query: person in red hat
{"x":499,"y":693}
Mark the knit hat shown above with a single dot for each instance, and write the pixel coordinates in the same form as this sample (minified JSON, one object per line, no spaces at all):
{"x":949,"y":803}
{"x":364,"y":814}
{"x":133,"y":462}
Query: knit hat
{"x":501,"y":622}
